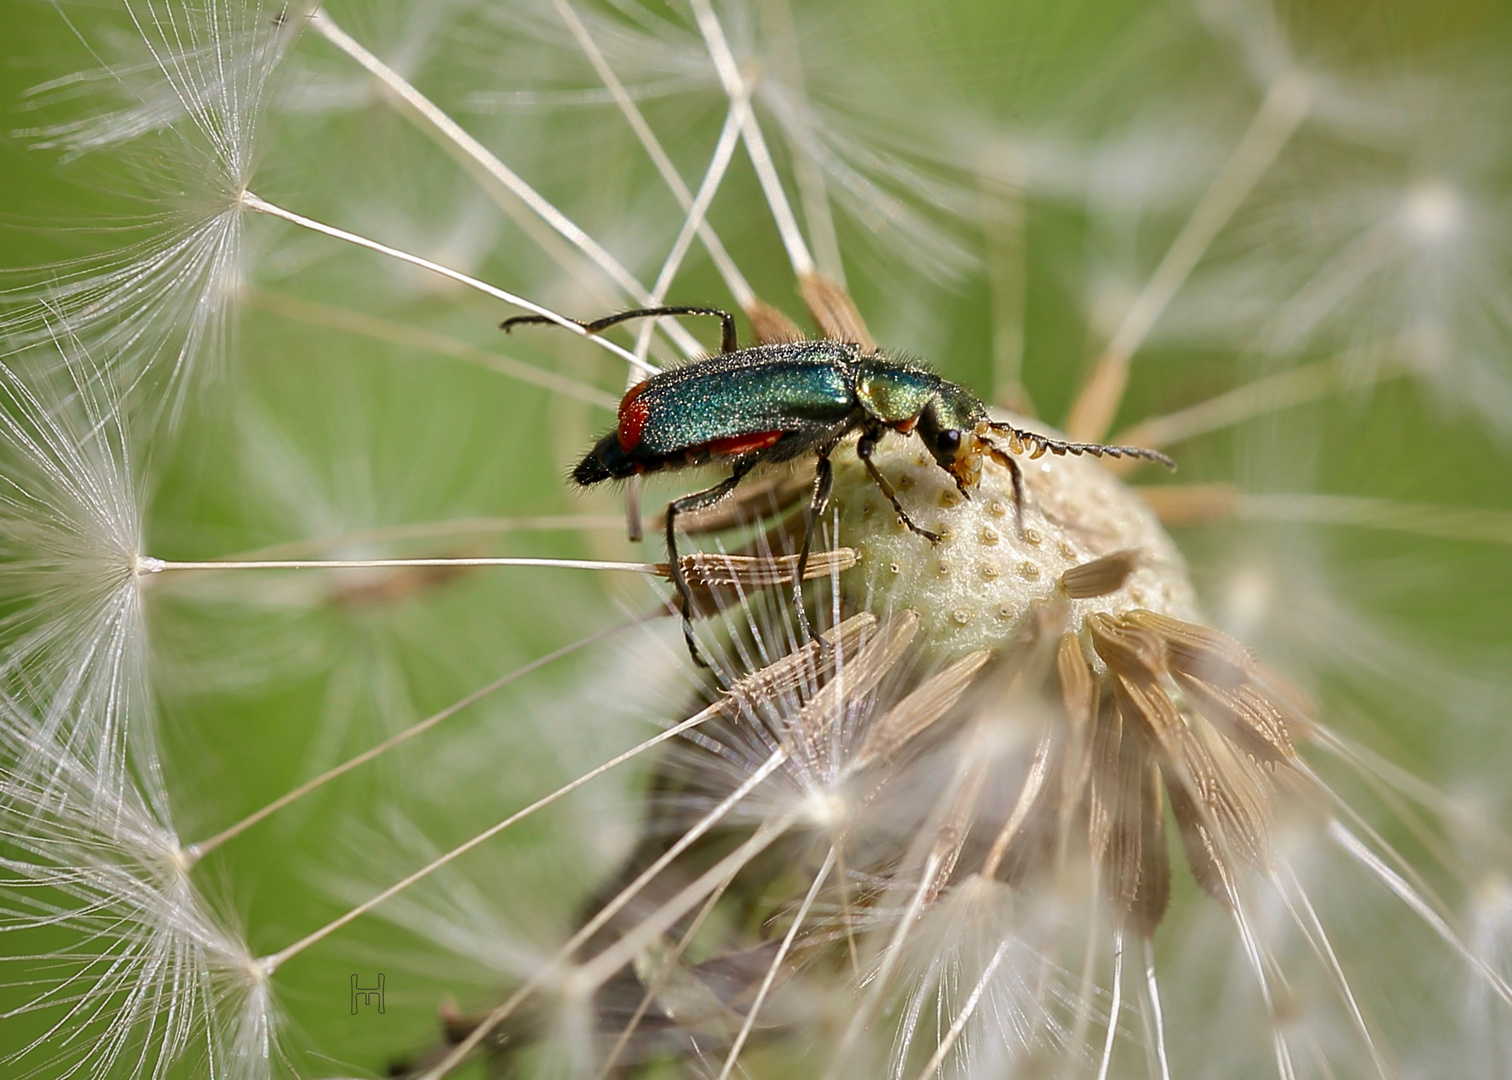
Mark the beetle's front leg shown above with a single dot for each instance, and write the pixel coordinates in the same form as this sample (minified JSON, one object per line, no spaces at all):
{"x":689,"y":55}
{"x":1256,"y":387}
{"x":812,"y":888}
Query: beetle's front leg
{"x":864,"y":448}
{"x":696,"y":501}
{"x":1015,"y":474}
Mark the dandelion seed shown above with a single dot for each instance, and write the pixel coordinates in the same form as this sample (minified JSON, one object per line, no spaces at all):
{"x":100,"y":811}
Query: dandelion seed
{"x":146,"y":975}
{"x":195,"y":86}
{"x":70,"y":526}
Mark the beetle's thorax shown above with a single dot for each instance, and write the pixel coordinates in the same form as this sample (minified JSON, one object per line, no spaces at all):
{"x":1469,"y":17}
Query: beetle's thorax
{"x":893,"y":392}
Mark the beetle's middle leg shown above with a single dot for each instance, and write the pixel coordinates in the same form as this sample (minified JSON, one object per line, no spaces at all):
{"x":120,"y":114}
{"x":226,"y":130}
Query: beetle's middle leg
{"x":824,"y":483}
{"x":864,"y":449}
{"x":696,"y":501}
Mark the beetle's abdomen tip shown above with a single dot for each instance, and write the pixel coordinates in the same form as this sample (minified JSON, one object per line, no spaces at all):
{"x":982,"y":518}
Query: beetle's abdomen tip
{"x":606,"y":461}
{"x":590,"y":471}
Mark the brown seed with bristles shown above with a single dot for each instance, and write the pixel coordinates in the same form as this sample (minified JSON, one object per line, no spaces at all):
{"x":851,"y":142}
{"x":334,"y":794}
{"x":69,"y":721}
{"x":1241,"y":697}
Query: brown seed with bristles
{"x":716,"y":580}
{"x":1211,"y":755}
{"x":1101,"y":576}
{"x":1079,"y":697}
{"x":919,"y":711}
{"x":1126,"y":823}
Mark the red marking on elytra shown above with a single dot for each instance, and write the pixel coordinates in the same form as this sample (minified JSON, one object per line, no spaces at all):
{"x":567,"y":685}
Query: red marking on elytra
{"x":744,"y":444}
{"x":633,"y":414}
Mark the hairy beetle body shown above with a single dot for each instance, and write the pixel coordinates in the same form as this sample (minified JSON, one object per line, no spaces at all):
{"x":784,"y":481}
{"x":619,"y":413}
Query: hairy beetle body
{"x":725,"y":406}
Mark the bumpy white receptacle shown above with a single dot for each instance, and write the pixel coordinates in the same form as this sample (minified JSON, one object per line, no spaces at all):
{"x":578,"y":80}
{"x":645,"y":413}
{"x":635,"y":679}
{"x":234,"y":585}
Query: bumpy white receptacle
{"x":975,"y":588}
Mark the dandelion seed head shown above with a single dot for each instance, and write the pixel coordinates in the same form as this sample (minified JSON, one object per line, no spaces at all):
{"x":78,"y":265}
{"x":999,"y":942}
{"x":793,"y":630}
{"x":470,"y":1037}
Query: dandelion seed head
{"x":994,"y":763}
{"x":988,"y":801}
{"x":1074,"y":510}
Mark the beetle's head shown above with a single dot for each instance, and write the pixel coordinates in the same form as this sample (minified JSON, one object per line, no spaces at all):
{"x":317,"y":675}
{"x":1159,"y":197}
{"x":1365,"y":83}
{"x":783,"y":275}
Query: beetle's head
{"x":948,"y":426}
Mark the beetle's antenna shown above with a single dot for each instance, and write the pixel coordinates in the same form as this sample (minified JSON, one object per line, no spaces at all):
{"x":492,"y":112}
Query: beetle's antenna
{"x":728,"y":342}
{"x":1036,"y":445}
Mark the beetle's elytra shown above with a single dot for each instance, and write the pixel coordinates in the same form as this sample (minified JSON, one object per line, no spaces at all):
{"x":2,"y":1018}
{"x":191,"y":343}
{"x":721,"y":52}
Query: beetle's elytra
{"x":773,"y":403}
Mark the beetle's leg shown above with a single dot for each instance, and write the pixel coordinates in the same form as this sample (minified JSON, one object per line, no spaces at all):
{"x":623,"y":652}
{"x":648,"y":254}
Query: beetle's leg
{"x":1015,"y":474}
{"x":695,"y":501}
{"x":759,"y":498}
{"x":824,"y":482}
{"x":864,"y":448}
{"x":727,"y":340}
{"x":1035,"y":444}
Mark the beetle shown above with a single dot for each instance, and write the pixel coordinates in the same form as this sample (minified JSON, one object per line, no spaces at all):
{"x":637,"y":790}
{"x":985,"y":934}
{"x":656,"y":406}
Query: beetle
{"x":767,"y":404}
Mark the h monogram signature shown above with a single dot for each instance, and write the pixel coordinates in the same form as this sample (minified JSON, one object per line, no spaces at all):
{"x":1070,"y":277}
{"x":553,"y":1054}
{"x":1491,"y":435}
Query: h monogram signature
{"x":367,"y":993}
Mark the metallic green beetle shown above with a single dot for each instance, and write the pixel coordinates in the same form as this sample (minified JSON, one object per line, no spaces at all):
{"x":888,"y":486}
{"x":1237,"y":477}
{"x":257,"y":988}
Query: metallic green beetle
{"x":773,"y":403}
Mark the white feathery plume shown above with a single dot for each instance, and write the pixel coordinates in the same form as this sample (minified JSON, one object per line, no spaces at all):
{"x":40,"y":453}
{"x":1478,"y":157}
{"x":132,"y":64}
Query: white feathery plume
{"x":138,"y":973}
{"x":70,"y":537}
{"x":189,"y":82}
{"x":145,"y":973}
{"x":1391,"y":258}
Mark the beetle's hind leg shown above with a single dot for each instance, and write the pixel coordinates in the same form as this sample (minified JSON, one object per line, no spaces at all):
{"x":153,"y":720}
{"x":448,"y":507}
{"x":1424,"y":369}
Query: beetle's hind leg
{"x":1036,"y":445}
{"x":696,"y":501}
{"x":864,"y":448}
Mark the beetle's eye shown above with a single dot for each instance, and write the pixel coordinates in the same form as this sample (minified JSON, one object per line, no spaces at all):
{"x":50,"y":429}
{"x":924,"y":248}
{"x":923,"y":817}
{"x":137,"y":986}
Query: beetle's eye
{"x":949,"y":440}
